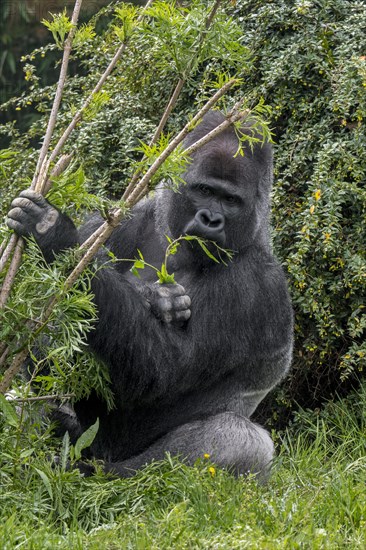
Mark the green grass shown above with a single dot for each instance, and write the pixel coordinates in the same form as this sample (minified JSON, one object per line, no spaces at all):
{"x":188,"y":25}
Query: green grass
{"x":316,"y":498}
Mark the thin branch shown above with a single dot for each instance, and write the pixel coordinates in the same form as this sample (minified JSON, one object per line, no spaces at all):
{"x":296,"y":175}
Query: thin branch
{"x":234,"y":116}
{"x":171,"y":104}
{"x":4,"y":352}
{"x":7,"y":252}
{"x":78,"y":116}
{"x":13,"y":369}
{"x":42,"y":398}
{"x":58,"y":95}
{"x":10,"y":275}
{"x":3,"y":246}
{"x":59,"y":168}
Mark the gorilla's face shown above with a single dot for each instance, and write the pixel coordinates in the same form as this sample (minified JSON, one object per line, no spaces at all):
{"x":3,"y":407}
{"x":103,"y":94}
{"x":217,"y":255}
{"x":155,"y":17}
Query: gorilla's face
{"x":216,"y":205}
{"x":225,"y":197}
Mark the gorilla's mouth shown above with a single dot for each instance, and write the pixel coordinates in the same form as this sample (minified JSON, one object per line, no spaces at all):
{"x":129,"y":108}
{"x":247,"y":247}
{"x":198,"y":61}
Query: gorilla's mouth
{"x":208,"y":233}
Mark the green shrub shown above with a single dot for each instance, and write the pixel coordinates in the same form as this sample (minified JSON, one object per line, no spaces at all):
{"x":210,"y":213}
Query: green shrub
{"x":309,"y":64}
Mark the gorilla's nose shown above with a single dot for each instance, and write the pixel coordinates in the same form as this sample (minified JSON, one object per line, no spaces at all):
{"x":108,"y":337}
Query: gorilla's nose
{"x":210,"y":221}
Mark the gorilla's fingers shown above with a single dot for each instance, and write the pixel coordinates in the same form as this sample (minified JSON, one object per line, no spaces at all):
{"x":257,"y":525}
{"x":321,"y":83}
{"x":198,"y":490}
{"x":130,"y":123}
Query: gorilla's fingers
{"x":25,"y":204}
{"x":182,"y":302}
{"x":34,"y":197}
{"x":16,"y":226}
{"x":16,"y":214}
{"x":183,"y":315}
{"x":165,"y":305}
{"x":171,"y":290}
{"x":167,"y":317}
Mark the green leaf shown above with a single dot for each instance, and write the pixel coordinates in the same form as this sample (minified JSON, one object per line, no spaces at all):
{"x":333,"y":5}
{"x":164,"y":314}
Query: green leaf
{"x":139,"y":264}
{"x":86,"y":439}
{"x":164,"y":277}
{"x":173,"y":249}
{"x":9,"y":412}
{"x":65,"y":450}
{"x":46,"y":481}
{"x":206,"y":250}
{"x":135,"y":272}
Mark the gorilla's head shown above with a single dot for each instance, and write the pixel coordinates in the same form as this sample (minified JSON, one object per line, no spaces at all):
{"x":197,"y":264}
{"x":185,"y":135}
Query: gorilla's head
{"x":225,"y":197}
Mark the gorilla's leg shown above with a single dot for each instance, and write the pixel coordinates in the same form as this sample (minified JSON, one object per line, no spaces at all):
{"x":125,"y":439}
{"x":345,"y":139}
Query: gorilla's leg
{"x":232,"y":441}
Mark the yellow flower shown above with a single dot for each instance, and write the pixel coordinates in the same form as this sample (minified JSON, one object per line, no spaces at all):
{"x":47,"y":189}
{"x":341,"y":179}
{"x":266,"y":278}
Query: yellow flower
{"x":312,"y":208}
{"x":327,"y":236}
{"x":206,"y":455}
{"x":212,"y":471}
{"x":317,"y":194}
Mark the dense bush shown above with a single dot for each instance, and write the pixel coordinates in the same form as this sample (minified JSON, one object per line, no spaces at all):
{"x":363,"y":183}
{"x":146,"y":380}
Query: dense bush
{"x":309,"y":64}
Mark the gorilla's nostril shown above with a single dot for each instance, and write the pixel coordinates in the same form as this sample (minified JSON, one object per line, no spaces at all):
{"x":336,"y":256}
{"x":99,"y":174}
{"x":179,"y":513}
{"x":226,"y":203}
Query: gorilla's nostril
{"x":210,"y":219}
{"x":204,"y":218}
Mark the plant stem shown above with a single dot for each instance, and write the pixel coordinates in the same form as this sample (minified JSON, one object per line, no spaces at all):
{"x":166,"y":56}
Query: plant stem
{"x":232,"y":117}
{"x":7,"y":252}
{"x":58,"y":97}
{"x":42,"y":398}
{"x":10,"y":275}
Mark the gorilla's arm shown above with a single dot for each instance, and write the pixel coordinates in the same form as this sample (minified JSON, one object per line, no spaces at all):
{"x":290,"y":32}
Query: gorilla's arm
{"x":32,"y":214}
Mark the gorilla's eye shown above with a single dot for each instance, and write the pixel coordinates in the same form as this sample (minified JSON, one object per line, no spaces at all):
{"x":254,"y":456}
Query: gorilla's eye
{"x":204,"y":189}
{"x":232,"y":200}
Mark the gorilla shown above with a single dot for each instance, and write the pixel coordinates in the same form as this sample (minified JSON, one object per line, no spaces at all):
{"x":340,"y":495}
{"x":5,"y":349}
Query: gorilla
{"x":188,"y":362}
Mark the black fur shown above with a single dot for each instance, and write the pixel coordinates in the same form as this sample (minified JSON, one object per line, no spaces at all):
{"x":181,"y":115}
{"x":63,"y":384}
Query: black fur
{"x":188,"y":381}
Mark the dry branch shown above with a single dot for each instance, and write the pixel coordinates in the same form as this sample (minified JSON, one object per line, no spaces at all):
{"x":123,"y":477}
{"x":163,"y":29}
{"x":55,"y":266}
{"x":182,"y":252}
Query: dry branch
{"x":58,"y":95}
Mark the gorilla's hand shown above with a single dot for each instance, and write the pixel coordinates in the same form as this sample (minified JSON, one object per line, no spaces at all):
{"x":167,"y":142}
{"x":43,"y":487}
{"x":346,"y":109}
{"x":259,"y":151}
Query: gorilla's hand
{"x":169,"y":303}
{"x":31,"y":214}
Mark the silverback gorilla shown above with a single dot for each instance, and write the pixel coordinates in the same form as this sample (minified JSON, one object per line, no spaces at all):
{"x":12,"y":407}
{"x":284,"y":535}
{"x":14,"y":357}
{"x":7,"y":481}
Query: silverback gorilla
{"x":190,"y":362}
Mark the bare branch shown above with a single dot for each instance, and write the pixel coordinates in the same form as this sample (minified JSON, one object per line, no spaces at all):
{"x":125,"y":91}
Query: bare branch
{"x":4,"y":351}
{"x":7,"y":252}
{"x":13,"y":370}
{"x":42,"y":398}
{"x":60,"y":167}
{"x":3,"y":246}
{"x":234,"y":116}
{"x":58,"y":95}
{"x":10,"y":275}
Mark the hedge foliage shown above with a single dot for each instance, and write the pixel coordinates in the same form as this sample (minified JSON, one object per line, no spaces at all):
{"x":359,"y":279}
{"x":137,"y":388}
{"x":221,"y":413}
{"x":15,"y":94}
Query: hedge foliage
{"x":307,"y":59}
{"x":309,"y":64}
